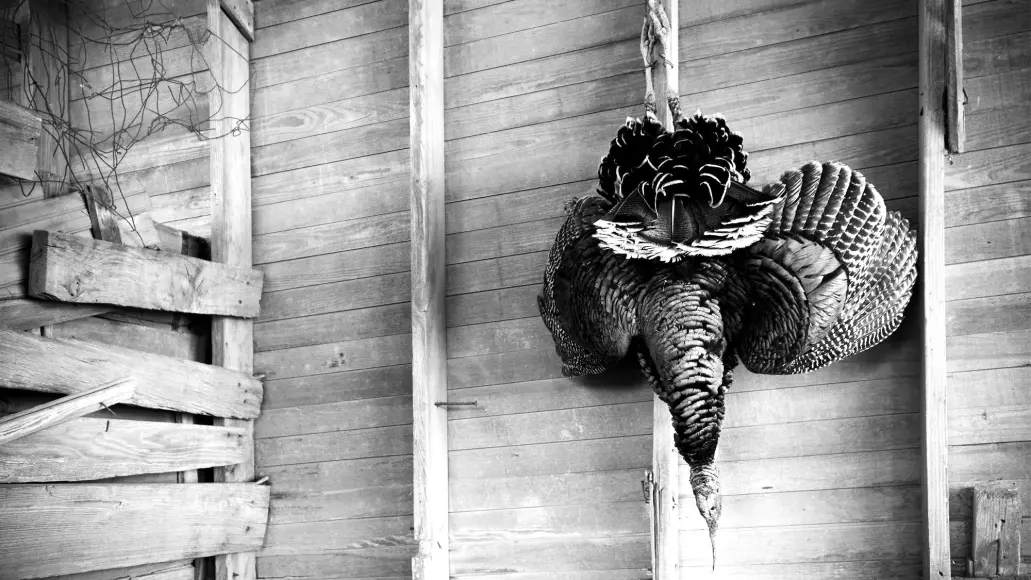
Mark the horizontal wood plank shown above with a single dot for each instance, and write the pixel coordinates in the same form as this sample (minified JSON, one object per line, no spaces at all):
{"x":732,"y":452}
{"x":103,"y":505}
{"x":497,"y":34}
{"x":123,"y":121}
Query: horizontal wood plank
{"x":144,"y":523}
{"x":27,"y":362}
{"x":96,"y":448}
{"x":72,"y":269}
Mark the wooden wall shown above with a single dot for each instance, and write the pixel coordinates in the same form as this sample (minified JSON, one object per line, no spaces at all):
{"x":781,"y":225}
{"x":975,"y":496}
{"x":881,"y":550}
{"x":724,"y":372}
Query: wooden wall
{"x":988,"y":277}
{"x":330,"y":222}
{"x":821,"y":472}
{"x":163,"y":179}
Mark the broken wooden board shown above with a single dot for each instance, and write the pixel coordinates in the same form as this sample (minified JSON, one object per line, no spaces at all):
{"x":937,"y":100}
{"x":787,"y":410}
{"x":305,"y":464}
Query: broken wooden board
{"x":179,"y":242}
{"x":102,"y":216}
{"x":19,"y":140}
{"x":141,"y":524}
{"x":96,"y":448}
{"x":64,"y":409}
{"x":72,"y":269}
{"x":997,"y":516}
{"x":67,"y":366}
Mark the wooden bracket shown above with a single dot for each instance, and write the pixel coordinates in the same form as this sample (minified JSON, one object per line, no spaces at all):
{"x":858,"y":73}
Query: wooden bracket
{"x":65,"y":409}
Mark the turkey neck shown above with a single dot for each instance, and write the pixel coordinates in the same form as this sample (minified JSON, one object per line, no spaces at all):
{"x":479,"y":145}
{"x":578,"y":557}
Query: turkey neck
{"x":683,"y":333}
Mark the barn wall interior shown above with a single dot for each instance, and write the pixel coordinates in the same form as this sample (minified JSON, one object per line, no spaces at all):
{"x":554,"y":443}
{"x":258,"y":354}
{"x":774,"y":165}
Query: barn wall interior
{"x":988,"y":273}
{"x":821,"y":472}
{"x":163,"y":179}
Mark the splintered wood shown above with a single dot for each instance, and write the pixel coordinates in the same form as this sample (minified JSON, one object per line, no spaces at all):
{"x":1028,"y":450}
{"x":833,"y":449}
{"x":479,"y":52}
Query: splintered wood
{"x":141,"y":524}
{"x":74,"y":269}
{"x":72,"y":366}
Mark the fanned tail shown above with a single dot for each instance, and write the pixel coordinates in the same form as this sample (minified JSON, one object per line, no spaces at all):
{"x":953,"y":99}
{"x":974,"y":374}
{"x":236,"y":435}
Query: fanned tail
{"x":832,"y":274}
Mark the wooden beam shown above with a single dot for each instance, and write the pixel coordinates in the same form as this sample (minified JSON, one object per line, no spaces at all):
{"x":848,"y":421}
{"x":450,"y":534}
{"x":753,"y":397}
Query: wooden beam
{"x":932,"y":47}
{"x":73,"y":269}
{"x":60,"y":365}
{"x":997,"y":517}
{"x":955,"y":96}
{"x":64,"y":409}
{"x":241,"y":13}
{"x":141,"y":524}
{"x":429,"y":341}
{"x":665,"y":459}
{"x":96,"y":448}
{"x":230,"y":170}
{"x":20,"y":131}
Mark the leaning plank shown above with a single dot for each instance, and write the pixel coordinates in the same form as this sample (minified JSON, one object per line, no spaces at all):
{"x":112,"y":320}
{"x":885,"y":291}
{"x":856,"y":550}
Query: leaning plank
{"x":19,"y":141}
{"x":96,"y":448}
{"x":73,"y":269}
{"x":64,"y":409}
{"x":141,"y":524}
{"x":68,"y":366}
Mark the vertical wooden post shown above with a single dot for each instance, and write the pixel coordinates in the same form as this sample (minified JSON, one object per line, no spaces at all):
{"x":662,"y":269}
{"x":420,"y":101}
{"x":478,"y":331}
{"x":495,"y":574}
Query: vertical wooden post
{"x":957,"y":128}
{"x":232,"y":339}
{"x":665,"y":459}
{"x":429,"y":347}
{"x":933,"y":42}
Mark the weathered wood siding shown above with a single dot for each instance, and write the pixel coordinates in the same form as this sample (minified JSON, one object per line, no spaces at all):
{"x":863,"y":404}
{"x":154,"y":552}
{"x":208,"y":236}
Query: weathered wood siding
{"x":821,"y":471}
{"x":331,"y":228}
{"x":988,"y":276}
{"x":171,"y":169}
{"x":545,"y":471}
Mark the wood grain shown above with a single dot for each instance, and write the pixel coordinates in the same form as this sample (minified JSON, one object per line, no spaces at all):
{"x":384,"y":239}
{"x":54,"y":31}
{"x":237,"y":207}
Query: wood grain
{"x":232,"y":339}
{"x":65,"y":409}
{"x":144,"y":523}
{"x":28,"y":362}
{"x":71,"y":269}
{"x":95,"y":448}
{"x":997,"y":517}
{"x":20,"y":139}
{"x":429,"y":347}
{"x":933,"y":46}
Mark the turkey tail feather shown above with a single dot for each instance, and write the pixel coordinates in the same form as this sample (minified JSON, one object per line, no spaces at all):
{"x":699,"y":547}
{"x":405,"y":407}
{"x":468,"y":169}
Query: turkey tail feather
{"x":853,"y":266}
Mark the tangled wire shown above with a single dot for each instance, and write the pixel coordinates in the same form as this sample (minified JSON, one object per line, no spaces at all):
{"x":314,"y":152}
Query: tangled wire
{"x":104,"y":76}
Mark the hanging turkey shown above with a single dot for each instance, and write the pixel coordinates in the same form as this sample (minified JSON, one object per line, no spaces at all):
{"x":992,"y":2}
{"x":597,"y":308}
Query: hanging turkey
{"x":682,"y":264}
